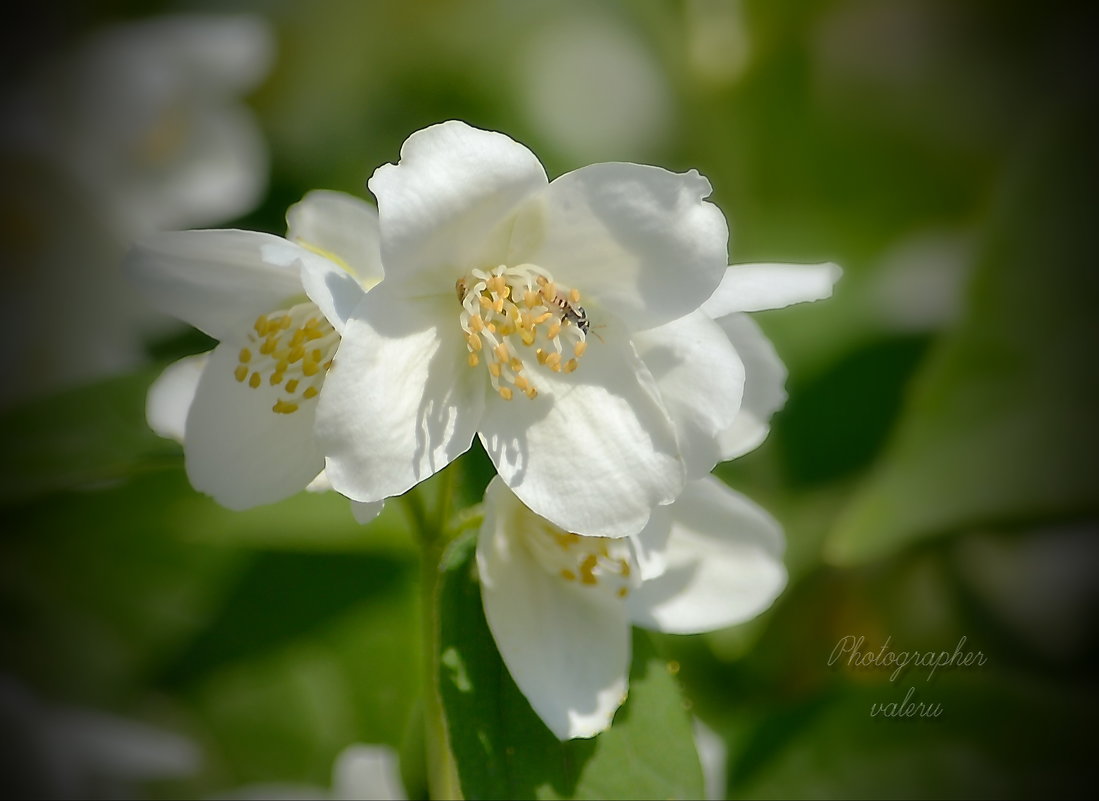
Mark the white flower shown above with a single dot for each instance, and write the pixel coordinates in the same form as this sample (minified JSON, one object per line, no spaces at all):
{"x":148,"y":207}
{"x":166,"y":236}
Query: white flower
{"x":360,"y":772}
{"x":139,"y":128}
{"x":508,"y":311}
{"x":147,"y":118}
{"x":560,"y":605}
{"x":245,"y":411}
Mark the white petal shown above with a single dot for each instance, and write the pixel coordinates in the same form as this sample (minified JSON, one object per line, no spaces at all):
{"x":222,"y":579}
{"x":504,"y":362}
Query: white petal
{"x":701,"y":380}
{"x":367,"y":771}
{"x":650,"y":544}
{"x":237,"y":449}
{"x":566,"y":646}
{"x":362,"y":512}
{"x":341,"y":225}
{"x":400,"y":402}
{"x":764,"y":392}
{"x":640,"y":240}
{"x":170,"y":396}
{"x":595,"y":451}
{"x":365,"y":512}
{"x":756,"y":287}
{"x":320,"y":483}
{"x":724,"y":564}
{"x":213,"y":279}
{"x":335,"y":291}
{"x":446,"y":206}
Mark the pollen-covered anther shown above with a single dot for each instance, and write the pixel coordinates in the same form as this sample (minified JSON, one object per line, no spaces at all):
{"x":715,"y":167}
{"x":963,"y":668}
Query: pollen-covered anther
{"x":291,"y":349}
{"x":510,"y":313}
{"x":595,"y":563}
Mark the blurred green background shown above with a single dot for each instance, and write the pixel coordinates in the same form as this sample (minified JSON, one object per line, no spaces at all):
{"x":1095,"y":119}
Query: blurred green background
{"x":934,"y":468}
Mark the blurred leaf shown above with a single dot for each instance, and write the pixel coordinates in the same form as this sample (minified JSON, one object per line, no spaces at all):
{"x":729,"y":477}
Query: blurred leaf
{"x":99,"y":579}
{"x":831,"y":746}
{"x":1000,"y":426}
{"x":838,"y":422}
{"x":502,"y":748}
{"x":280,"y":597}
{"x":84,"y":437}
{"x":283,"y":712}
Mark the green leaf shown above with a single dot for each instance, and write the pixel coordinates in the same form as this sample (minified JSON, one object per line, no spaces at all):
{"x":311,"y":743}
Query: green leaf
{"x":81,"y":438}
{"x":283,"y":712}
{"x":503,"y":750}
{"x":833,"y":745}
{"x":1000,"y":426}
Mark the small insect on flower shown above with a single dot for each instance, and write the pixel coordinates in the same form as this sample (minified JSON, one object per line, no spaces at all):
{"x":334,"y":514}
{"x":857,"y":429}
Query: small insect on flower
{"x":571,"y":311}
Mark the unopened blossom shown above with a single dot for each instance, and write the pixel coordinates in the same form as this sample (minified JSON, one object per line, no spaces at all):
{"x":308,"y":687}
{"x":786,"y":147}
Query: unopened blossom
{"x":560,"y":605}
{"x":508,"y":312}
{"x":245,"y":411}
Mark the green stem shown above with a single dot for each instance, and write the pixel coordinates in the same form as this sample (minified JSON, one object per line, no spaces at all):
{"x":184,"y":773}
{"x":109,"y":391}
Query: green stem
{"x":442,"y":773}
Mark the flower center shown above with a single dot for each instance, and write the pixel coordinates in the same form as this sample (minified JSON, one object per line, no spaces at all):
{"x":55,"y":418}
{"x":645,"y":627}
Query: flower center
{"x":291,"y":348}
{"x":512,"y":312}
{"x":588,"y":561}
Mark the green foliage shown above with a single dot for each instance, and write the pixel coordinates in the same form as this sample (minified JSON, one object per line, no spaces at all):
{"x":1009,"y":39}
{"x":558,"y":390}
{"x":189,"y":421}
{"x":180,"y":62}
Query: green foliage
{"x":502,"y":748}
{"x":1001,"y":425}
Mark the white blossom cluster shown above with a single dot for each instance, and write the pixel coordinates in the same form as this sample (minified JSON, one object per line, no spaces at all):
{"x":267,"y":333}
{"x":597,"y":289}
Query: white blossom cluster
{"x":587,"y":330}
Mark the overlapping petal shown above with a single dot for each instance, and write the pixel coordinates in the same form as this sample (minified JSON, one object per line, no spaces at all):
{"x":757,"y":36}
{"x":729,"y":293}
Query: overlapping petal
{"x":640,"y":240}
{"x":342,"y":227}
{"x":701,"y":378}
{"x":237,"y":449}
{"x":757,"y":287}
{"x":723,"y":563}
{"x":764,"y":390}
{"x":595,"y":451}
{"x":446,"y":207}
{"x":566,"y":646}
{"x":170,"y":396}
{"x":213,"y":279}
{"x":399,"y":403}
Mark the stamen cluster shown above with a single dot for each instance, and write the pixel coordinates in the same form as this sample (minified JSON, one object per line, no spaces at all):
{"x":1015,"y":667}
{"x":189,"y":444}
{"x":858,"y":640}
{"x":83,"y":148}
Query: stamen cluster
{"x":509,"y":308}
{"x":294,"y":346}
